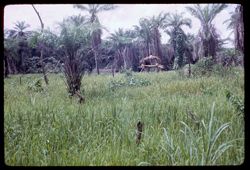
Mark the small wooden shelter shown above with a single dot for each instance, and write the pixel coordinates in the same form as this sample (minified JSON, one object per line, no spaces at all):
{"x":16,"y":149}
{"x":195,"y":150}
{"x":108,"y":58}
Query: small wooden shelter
{"x":151,"y":62}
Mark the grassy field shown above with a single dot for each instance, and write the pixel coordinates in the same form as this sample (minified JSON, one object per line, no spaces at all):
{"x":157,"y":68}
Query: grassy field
{"x":48,"y":128}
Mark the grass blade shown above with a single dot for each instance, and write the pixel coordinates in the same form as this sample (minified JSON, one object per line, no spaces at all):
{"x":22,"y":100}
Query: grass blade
{"x":217,"y":134}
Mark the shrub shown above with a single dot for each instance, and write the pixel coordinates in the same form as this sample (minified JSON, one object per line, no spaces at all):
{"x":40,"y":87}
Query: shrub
{"x":184,"y":71}
{"x":73,"y":73}
{"x":236,"y":101}
{"x":36,"y":86}
{"x":203,"y":67}
{"x":130,"y":81}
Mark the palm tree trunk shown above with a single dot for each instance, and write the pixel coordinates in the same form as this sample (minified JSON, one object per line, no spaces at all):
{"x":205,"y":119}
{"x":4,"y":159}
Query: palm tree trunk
{"x":189,"y":67}
{"x":239,"y":31}
{"x":6,"y":67}
{"x":148,"y":50}
{"x":96,"y":62}
{"x":113,"y":70}
{"x":205,"y":47}
{"x":22,"y":62}
{"x":124,"y":57}
{"x":43,"y":69}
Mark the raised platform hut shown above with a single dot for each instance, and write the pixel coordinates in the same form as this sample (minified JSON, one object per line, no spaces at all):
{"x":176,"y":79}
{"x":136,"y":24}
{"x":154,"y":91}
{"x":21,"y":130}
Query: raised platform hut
{"x":151,"y":62}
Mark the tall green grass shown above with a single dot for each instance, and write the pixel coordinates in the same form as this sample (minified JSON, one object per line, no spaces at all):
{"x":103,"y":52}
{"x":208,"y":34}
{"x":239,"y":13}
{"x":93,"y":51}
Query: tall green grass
{"x":49,"y":128}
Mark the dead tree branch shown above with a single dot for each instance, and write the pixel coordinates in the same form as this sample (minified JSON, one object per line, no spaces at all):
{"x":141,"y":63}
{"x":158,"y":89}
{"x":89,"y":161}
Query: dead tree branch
{"x":41,"y":57}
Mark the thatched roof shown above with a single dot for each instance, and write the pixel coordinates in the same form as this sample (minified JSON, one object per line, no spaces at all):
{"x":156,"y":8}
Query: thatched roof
{"x":151,"y":57}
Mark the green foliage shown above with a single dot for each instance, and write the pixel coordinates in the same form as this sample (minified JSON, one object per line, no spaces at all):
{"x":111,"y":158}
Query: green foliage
{"x":235,"y":101}
{"x":203,"y":67}
{"x":178,"y":38}
{"x":36,"y":86}
{"x":207,"y":33}
{"x":72,"y":41}
{"x":222,"y":71}
{"x":129,"y":80}
{"x":49,"y":129}
{"x":11,"y":46}
{"x":184,"y":71}
{"x":34,"y":39}
{"x":179,"y":49}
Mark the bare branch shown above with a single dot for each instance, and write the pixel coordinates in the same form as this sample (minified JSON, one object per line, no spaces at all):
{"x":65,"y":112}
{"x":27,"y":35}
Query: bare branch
{"x":40,"y":19}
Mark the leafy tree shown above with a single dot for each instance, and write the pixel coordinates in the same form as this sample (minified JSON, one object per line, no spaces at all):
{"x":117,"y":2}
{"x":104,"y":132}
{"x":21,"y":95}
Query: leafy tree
{"x":207,"y":33}
{"x":16,"y":44}
{"x":19,"y":30}
{"x":72,"y":40}
{"x":93,"y":9}
{"x":45,"y":43}
{"x":157,"y":22}
{"x":178,"y":38}
{"x":77,"y":20}
{"x":236,"y":23}
{"x":122,"y":42}
{"x":144,"y":38}
{"x":149,"y":37}
{"x":10,"y":54}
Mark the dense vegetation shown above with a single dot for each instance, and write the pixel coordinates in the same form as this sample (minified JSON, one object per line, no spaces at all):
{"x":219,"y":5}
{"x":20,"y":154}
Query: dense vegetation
{"x":80,"y":37}
{"x":45,"y":127}
{"x":191,"y":113}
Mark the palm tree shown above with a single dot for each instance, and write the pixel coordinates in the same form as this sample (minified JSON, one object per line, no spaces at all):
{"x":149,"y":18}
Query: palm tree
{"x":77,"y":20}
{"x":236,"y":23}
{"x":148,"y":35}
{"x":156,"y":23}
{"x":10,"y":53}
{"x":19,"y":36}
{"x":143,"y":32}
{"x":93,"y":9}
{"x":122,"y":43}
{"x":207,"y":33}
{"x":178,"y":38}
{"x":19,"y":30}
{"x":72,"y":39}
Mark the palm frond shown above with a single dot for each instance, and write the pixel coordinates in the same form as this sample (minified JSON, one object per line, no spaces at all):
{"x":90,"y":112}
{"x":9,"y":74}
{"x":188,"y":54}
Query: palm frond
{"x":21,"y":26}
{"x":186,"y":22}
{"x":81,"y":7}
{"x":194,"y":11}
{"x":215,"y":9}
{"x":107,"y":7}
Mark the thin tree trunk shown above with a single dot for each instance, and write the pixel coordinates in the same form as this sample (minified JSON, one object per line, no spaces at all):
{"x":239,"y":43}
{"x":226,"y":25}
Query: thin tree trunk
{"x":6,"y":67}
{"x":43,"y":69}
{"x":96,"y":62}
{"x":148,"y":50}
{"x":40,"y":19}
{"x":124,"y":58}
{"x":113,"y":71}
{"x":41,"y":57}
{"x":189,"y":67}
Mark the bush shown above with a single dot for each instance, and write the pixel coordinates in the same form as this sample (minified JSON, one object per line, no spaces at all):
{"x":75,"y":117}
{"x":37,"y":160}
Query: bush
{"x":203,"y":67}
{"x":235,"y":101}
{"x":206,"y":67}
{"x":221,"y":70}
{"x":130,"y":81}
{"x":184,"y":71}
{"x":73,"y":74}
{"x":36,"y":86}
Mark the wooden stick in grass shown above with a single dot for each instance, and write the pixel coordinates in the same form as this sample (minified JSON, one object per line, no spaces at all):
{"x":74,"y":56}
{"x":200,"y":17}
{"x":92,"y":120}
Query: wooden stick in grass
{"x":139,"y":132}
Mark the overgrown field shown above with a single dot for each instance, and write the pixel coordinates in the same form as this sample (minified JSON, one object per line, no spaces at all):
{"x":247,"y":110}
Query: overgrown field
{"x":43,"y":126}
